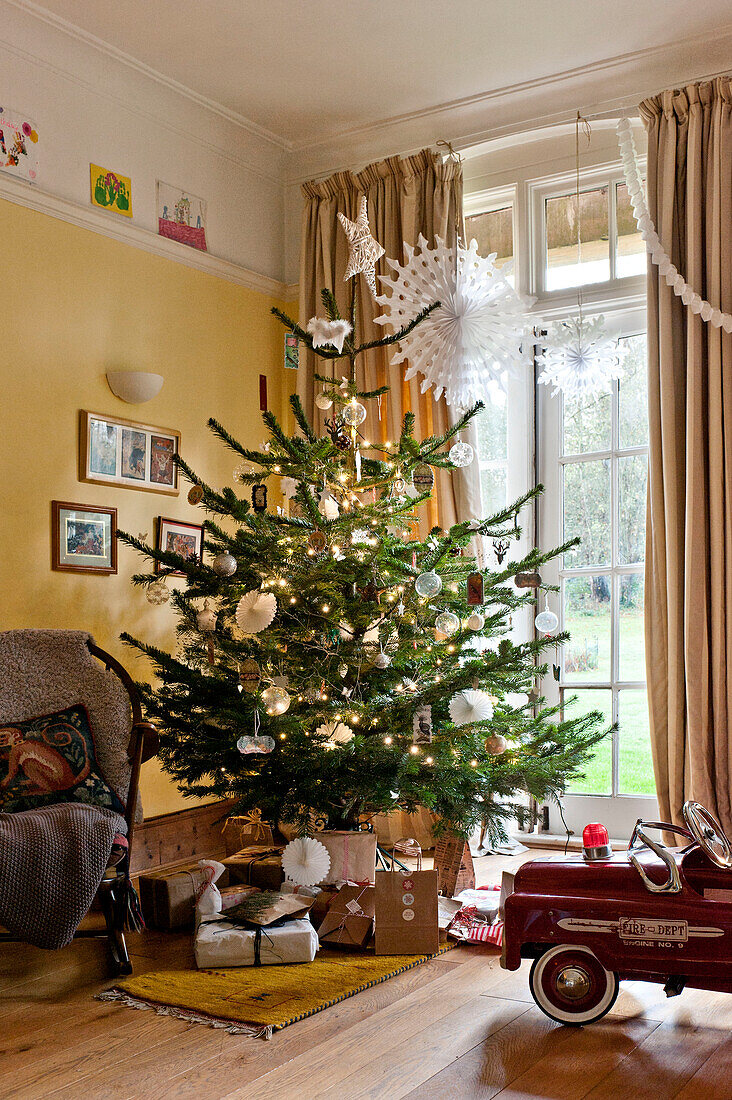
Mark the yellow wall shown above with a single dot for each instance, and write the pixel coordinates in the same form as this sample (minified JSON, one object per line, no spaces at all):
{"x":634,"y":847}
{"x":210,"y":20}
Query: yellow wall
{"x":74,"y":305}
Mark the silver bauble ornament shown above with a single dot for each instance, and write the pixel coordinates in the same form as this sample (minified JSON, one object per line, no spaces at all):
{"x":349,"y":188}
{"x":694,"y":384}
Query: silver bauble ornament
{"x":382,"y":660}
{"x":428,"y":585}
{"x":323,"y":401}
{"x":224,"y":565}
{"x":353,"y":413}
{"x":447,"y":622}
{"x":275,"y":699}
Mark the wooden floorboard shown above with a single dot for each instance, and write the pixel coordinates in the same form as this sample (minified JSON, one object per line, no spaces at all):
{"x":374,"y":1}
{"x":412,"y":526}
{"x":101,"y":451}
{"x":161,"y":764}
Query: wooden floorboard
{"x":457,"y":1027}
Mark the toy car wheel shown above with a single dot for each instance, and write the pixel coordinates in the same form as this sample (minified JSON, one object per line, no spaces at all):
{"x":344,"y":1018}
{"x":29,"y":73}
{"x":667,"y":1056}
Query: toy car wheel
{"x":570,"y":984}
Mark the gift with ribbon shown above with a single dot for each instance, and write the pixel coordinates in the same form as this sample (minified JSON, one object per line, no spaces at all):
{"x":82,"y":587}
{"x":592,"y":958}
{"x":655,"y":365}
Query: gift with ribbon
{"x":349,"y":921}
{"x":352,"y":856}
{"x":220,"y":942}
{"x":258,"y":865}
{"x":168,"y":896}
{"x":406,"y":906}
{"x":244,"y":830}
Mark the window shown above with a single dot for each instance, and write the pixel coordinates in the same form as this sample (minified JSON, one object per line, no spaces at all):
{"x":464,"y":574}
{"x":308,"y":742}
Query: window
{"x":493,"y":230}
{"x":611,"y":246}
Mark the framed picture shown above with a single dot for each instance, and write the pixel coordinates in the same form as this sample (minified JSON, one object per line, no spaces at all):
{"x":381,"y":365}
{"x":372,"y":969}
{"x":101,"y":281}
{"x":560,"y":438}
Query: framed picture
{"x":121,"y":452}
{"x":185,"y":539}
{"x":83,"y":538}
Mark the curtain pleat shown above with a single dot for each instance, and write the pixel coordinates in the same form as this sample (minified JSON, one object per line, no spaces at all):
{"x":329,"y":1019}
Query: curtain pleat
{"x":406,"y":196}
{"x":689,"y":517}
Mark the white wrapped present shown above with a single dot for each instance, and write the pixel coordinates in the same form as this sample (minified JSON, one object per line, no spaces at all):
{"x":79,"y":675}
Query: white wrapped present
{"x":220,"y":943}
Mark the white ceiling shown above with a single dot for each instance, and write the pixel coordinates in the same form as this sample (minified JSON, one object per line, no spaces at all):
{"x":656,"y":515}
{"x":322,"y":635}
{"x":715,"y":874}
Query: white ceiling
{"x":309,"y":70}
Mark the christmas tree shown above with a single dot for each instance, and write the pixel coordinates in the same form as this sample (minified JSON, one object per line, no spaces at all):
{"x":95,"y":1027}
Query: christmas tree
{"x":331,"y":664}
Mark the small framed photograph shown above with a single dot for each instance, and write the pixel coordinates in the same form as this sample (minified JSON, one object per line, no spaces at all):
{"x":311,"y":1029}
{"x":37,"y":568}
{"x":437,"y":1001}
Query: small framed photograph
{"x":121,"y":452}
{"x":83,"y":538}
{"x":185,"y":539}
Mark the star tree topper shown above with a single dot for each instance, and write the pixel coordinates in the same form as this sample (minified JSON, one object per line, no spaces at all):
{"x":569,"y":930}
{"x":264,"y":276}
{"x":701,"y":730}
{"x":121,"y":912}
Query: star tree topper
{"x":365,"y":251}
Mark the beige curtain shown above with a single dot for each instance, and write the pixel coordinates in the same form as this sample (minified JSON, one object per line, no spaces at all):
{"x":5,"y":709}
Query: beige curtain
{"x":406,"y":196}
{"x":689,"y":531}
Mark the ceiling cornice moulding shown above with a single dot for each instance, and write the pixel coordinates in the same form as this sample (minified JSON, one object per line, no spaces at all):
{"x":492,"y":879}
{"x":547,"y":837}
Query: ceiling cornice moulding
{"x":74,"y":31}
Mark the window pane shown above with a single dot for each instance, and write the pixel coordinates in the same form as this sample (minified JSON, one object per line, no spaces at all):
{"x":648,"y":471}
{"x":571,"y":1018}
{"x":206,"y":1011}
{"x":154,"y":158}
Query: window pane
{"x":492,"y":433}
{"x":587,"y":512}
{"x":631,"y":635}
{"x":635,"y":762}
{"x":494,"y":233}
{"x":587,"y":618}
{"x":632,"y":475}
{"x":633,"y":392}
{"x":587,"y":424}
{"x":566,"y":265}
{"x":598,"y":771}
{"x":630,"y":254}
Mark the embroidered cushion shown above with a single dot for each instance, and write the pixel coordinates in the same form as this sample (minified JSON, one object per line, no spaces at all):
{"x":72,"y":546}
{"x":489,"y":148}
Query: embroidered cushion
{"x":52,"y":759}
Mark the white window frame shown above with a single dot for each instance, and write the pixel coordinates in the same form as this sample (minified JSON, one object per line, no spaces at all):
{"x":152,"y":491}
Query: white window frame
{"x":618,"y":811}
{"x":609,"y":294}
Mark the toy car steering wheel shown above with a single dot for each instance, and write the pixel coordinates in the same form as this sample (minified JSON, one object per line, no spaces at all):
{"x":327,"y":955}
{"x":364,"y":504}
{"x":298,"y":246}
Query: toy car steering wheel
{"x":709,"y":834}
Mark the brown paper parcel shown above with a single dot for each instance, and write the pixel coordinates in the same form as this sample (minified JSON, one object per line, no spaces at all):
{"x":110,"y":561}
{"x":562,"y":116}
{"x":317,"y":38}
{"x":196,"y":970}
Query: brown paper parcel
{"x":349,"y":921}
{"x":352,"y":856}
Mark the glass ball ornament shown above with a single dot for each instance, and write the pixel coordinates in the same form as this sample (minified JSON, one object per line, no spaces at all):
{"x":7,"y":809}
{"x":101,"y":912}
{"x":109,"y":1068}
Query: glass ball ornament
{"x":224,"y":565}
{"x":461,"y":454}
{"x":157,"y":593}
{"x":447,"y":622}
{"x":475,"y":621}
{"x":248,"y":745}
{"x":546,"y":622}
{"x":323,"y":400}
{"x":382,"y":660}
{"x":428,"y":585}
{"x":353,"y":414}
{"x":275,"y":699}
{"x":496,"y":744}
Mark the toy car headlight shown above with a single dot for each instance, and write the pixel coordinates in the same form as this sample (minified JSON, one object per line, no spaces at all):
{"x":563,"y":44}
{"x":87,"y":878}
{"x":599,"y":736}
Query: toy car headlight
{"x":596,"y":842}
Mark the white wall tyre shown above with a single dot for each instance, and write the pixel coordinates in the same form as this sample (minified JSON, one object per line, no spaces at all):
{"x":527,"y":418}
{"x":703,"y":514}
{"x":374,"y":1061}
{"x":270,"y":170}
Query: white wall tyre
{"x":570,"y":985}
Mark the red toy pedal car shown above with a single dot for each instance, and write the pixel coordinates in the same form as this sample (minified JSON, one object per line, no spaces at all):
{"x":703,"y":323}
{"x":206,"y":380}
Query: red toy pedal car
{"x":653,"y":914}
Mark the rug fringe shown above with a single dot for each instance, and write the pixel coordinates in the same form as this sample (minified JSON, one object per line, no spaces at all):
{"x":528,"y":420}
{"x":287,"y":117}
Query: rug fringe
{"x":263,"y":1031}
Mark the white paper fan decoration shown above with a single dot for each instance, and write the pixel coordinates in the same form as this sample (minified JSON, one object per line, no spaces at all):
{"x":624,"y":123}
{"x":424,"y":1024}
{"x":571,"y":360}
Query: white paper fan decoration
{"x":255,"y":611}
{"x":579,"y":358}
{"x":480,"y":331}
{"x":305,"y":861}
{"x":337,"y":733}
{"x":470,"y":706}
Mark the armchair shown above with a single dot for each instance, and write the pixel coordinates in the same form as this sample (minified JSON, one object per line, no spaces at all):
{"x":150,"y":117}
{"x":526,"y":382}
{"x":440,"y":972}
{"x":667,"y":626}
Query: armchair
{"x":49,"y":670}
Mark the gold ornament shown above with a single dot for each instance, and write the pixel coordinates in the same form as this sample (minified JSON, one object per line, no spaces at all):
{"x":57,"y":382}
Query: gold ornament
{"x":195,"y":494}
{"x":496,"y":744}
{"x":364,"y":251}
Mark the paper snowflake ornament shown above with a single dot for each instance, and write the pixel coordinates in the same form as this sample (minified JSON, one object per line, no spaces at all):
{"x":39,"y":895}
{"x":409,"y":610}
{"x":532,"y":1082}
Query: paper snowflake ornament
{"x":365,"y":251}
{"x":579,"y":358}
{"x":326,"y":332}
{"x":288,"y":485}
{"x":480,"y":333}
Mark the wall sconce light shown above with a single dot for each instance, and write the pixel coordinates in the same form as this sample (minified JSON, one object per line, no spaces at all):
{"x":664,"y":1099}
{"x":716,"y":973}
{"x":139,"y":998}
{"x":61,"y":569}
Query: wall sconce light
{"x":134,"y":386}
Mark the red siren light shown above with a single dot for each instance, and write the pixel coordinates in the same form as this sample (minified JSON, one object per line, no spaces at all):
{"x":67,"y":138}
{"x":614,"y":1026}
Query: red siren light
{"x":596,"y":841}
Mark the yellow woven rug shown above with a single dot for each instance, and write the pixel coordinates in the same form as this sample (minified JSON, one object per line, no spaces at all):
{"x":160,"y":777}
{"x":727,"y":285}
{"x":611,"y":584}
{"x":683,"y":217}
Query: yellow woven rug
{"x":259,"y":1000}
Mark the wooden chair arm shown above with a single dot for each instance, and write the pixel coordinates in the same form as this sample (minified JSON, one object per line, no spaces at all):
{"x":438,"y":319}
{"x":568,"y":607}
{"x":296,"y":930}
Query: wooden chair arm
{"x":145,"y":737}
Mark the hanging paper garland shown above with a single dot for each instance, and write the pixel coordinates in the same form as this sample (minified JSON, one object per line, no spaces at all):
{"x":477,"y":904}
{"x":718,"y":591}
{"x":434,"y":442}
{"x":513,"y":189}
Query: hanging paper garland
{"x":658,"y":253}
{"x":480,"y":332}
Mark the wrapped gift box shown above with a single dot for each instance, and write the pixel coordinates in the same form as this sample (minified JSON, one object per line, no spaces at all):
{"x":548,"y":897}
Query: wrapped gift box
{"x":352,"y":856}
{"x":168,"y":896}
{"x":236,"y":894}
{"x":244,"y":830}
{"x":221,"y":943}
{"x":349,"y":921}
{"x":257,"y":865}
